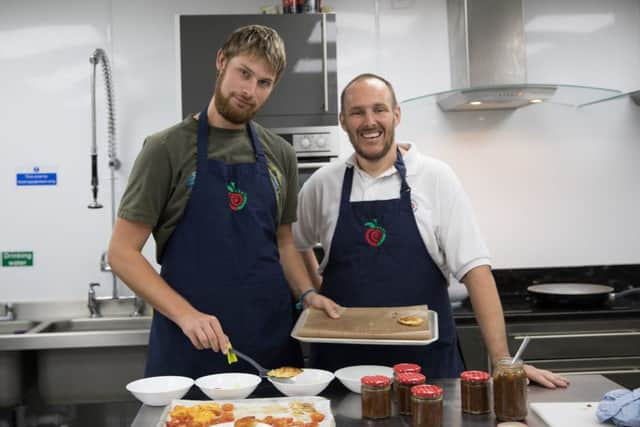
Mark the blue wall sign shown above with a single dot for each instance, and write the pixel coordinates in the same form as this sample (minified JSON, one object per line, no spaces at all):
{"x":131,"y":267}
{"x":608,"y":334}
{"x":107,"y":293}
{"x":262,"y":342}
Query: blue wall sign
{"x":36,"y":178}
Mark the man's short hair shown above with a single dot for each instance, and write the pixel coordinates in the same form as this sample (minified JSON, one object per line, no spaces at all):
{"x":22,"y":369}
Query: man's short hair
{"x":365,"y":76}
{"x":260,"y":41}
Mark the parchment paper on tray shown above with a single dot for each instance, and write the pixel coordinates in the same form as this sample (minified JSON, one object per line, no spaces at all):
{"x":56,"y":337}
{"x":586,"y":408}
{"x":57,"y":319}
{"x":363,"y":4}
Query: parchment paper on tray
{"x":371,"y":323}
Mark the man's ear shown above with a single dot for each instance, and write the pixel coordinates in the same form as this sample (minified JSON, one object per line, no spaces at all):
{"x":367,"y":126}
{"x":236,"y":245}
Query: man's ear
{"x":397,"y":114}
{"x":341,"y":117}
{"x":221,"y":60}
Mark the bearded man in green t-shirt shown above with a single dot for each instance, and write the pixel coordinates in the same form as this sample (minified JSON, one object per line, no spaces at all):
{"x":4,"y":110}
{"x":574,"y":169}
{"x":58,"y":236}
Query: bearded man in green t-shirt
{"x":219,"y":194}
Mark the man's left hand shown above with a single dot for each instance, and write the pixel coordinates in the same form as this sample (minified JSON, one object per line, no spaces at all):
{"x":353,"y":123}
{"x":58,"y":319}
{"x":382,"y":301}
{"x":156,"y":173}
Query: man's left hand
{"x":545,"y":378}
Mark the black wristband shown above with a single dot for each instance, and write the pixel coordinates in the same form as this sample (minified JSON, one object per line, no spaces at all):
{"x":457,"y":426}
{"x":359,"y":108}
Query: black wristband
{"x":300,"y":303}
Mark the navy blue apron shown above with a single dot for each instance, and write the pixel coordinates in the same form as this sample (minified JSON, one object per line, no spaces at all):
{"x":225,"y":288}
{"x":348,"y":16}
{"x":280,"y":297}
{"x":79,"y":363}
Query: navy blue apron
{"x":223,"y":258}
{"x":378,"y":259}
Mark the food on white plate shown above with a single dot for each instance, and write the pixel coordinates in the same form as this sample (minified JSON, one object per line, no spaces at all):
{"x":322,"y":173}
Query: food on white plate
{"x":284,"y":372}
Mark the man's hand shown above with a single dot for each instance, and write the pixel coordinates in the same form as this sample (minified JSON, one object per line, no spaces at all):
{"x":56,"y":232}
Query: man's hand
{"x":315,"y":300}
{"x":204,"y":331}
{"x":545,"y":378}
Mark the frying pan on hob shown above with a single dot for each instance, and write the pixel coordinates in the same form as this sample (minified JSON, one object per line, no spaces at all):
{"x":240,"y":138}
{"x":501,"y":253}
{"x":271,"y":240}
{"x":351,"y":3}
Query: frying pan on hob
{"x":576,"y":294}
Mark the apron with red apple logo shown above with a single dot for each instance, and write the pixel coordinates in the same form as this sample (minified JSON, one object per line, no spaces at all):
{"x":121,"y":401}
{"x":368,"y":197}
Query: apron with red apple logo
{"x":223,"y":258}
{"x":378,"y":259}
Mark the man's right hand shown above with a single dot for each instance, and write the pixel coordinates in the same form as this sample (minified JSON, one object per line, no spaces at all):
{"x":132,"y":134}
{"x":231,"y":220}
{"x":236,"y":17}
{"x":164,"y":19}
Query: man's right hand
{"x":315,"y":300}
{"x":204,"y":331}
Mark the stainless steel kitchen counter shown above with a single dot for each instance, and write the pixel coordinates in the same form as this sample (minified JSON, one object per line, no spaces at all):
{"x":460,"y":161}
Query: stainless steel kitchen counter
{"x":346,"y":405}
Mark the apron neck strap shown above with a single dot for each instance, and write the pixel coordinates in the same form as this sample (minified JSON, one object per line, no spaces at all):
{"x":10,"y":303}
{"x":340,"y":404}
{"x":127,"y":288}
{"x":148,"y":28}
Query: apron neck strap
{"x":405,"y":190}
{"x":203,"y":139}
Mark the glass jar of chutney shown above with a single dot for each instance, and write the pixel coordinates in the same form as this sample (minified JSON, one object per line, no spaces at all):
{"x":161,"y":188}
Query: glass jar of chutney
{"x":426,"y":405}
{"x":403,"y":389}
{"x":402,"y":368}
{"x":376,"y":397}
{"x":474,"y":392}
{"x":510,"y":390}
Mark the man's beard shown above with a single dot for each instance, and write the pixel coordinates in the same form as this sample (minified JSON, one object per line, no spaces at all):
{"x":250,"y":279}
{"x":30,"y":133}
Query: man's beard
{"x":389,"y":137}
{"x":227,"y":110}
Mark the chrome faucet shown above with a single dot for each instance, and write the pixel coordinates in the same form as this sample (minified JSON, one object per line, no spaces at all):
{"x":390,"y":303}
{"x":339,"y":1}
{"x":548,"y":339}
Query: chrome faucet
{"x":93,"y":302}
{"x":104,"y":264}
{"x":98,"y":57}
{"x":9,"y":312}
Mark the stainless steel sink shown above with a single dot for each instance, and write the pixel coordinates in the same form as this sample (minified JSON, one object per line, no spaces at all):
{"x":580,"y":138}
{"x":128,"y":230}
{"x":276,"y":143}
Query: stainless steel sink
{"x":16,"y":326}
{"x":97,"y":325}
{"x":110,"y":351}
{"x":79,"y":359}
{"x":11,"y":363}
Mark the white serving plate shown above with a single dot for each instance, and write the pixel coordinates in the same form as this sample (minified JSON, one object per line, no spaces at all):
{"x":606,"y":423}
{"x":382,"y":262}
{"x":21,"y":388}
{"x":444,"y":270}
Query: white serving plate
{"x":433,"y":326}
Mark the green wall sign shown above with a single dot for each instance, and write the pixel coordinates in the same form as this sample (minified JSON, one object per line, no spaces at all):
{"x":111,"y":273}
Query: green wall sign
{"x":17,"y":259}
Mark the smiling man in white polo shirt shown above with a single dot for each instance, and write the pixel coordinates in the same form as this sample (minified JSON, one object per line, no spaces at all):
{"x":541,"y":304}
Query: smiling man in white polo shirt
{"x":394,"y":224}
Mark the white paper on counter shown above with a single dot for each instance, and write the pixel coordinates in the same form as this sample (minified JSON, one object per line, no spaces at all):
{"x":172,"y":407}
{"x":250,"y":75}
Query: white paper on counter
{"x":562,"y":414}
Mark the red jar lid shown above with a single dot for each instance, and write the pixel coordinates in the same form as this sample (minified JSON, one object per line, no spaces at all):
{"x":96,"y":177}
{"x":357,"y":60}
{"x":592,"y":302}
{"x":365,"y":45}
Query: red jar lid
{"x":406,"y":367}
{"x":410,"y":378}
{"x":426,"y":390}
{"x":474,"y":376}
{"x":375,"y":380}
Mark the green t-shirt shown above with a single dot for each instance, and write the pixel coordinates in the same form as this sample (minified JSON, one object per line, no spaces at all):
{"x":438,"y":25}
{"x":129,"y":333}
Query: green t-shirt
{"x":160,"y":183}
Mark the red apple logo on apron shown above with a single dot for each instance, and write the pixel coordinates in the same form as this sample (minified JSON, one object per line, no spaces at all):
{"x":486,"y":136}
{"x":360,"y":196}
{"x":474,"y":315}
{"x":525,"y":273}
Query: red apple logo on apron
{"x":375,"y":234}
{"x":237,"y":198}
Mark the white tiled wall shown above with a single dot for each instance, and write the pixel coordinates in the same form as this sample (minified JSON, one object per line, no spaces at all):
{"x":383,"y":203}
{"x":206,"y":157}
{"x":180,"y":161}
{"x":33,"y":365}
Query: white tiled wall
{"x":550,"y":185}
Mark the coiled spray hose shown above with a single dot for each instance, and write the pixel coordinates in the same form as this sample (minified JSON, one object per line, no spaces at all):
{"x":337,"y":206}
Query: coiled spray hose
{"x":100,"y":56}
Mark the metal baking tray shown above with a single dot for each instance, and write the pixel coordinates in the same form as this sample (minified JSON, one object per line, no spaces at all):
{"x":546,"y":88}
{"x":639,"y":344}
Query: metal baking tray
{"x":433,"y":327}
{"x":260,"y":408}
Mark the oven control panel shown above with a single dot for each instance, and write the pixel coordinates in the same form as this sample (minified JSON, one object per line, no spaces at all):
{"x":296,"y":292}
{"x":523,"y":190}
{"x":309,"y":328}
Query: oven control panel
{"x":312,"y":141}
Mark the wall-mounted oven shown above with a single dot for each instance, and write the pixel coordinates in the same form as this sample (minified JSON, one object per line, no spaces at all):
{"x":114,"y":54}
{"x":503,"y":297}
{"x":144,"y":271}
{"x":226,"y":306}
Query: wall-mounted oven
{"x":315,"y":147}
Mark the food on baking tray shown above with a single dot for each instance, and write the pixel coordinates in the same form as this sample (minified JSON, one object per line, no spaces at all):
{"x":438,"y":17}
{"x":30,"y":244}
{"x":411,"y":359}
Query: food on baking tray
{"x":297,"y":414}
{"x":411,"y":320}
{"x":204,"y":415}
{"x":284,"y":372}
{"x":246,"y":422}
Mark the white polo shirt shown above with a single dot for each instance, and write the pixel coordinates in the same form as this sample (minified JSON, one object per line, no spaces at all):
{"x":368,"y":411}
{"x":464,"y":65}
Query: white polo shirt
{"x":442,"y":209}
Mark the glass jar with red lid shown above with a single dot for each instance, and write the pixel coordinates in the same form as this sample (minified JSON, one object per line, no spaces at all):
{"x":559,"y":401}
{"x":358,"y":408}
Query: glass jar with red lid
{"x":426,"y":405}
{"x":376,"y":397}
{"x":403,"y":389}
{"x":510,"y":390}
{"x":474,"y":392}
{"x":402,"y":368}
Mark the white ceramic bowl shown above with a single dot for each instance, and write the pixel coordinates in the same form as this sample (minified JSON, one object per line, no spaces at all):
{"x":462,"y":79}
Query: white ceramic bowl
{"x":309,"y":383}
{"x":351,"y":375}
{"x":229,"y":385}
{"x":159,"y":391}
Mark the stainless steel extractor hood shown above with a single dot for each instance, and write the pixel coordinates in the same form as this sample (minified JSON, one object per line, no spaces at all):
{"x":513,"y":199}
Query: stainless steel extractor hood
{"x":489,"y":64}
